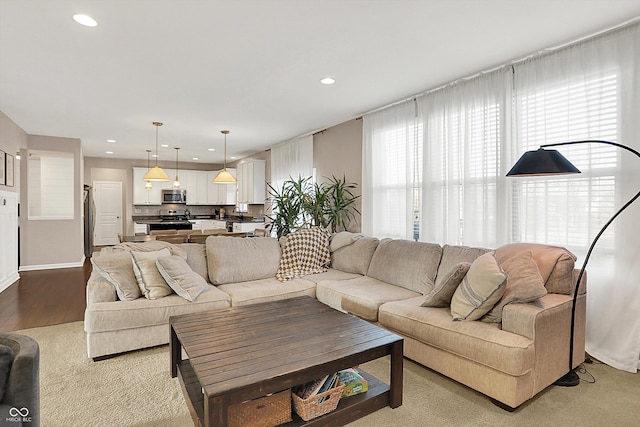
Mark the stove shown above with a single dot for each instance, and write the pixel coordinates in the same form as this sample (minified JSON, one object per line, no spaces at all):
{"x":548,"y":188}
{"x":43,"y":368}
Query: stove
{"x":173,"y":214}
{"x":172,"y":219}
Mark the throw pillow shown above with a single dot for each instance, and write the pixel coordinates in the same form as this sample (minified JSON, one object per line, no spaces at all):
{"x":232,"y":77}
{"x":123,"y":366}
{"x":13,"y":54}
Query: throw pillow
{"x":442,"y":294}
{"x":151,"y":283}
{"x":180,"y":277}
{"x":524,"y":284}
{"x":117,"y":269}
{"x":306,"y":251}
{"x":480,"y":289}
{"x":6,"y":360}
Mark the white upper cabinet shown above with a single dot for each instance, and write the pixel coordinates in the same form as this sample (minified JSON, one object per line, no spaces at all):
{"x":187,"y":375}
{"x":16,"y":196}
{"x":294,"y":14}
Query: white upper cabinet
{"x":142,"y":196}
{"x":251,"y":182}
{"x":195,"y":182}
{"x":221,"y":194}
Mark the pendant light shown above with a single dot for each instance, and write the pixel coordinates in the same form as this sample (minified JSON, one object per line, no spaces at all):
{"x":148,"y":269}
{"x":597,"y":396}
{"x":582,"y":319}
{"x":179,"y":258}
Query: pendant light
{"x":156,"y":173}
{"x":176,"y":182}
{"x":224,"y":177}
{"x":148,"y":185}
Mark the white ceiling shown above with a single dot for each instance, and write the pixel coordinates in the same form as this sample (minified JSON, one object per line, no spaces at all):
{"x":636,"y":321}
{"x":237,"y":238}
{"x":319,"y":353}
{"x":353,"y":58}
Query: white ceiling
{"x":253,"y":66}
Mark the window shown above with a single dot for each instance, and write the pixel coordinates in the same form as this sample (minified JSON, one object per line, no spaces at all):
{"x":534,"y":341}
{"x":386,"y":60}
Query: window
{"x":571,"y":110}
{"x":50,"y":185}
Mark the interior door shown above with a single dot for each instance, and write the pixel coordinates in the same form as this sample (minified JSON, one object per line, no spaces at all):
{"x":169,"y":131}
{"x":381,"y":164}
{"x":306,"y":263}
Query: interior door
{"x":107,"y":198}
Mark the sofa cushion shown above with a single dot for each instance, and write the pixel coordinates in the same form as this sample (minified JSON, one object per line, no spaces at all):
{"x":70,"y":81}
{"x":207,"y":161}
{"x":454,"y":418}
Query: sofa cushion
{"x":235,"y":259}
{"x":412,"y":265}
{"x":441,"y":295}
{"x":342,"y":239}
{"x":6,"y":360}
{"x":180,"y":277}
{"x":453,"y":255}
{"x":306,"y":252}
{"x":149,"y":246}
{"x":355,"y":257}
{"x":152,"y":284}
{"x":524,"y":284}
{"x":117,"y":269}
{"x":555,"y":264}
{"x":266,"y":290}
{"x":483,"y":343}
{"x":480,"y":289}
{"x":331,"y":274}
{"x":361,"y":296}
{"x":114,"y":316}
{"x":196,"y":258}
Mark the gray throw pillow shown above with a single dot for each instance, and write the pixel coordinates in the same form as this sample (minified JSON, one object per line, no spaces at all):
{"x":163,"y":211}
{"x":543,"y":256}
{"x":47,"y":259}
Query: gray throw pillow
{"x":442,"y":294}
{"x":180,"y":277}
{"x":6,"y":360}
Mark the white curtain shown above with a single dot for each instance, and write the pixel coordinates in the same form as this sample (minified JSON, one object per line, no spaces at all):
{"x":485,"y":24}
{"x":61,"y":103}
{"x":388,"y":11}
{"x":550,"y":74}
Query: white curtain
{"x":465,"y":134}
{"x":291,"y":159}
{"x":390,"y":171}
{"x":588,"y":91}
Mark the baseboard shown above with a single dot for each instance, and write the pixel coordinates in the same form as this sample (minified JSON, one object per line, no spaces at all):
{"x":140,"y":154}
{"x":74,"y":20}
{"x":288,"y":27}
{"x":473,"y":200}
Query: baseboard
{"x":51,"y":266}
{"x":9,"y":281}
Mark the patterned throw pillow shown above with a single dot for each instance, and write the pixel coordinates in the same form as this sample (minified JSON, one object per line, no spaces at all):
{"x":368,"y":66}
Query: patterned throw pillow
{"x":480,"y":289}
{"x":305,"y":252}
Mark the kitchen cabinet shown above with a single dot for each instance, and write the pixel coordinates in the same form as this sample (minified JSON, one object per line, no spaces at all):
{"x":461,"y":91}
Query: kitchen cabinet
{"x":251,"y":182}
{"x":221,"y":194}
{"x":140,"y":228}
{"x":195,"y":182}
{"x":142,"y":196}
{"x":247,"y":227}
{"x":207,"y":224}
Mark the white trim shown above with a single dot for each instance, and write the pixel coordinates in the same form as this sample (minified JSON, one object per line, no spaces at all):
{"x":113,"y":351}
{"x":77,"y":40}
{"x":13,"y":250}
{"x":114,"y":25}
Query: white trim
{"x":9,"y":281}
{"x":52,"y":266}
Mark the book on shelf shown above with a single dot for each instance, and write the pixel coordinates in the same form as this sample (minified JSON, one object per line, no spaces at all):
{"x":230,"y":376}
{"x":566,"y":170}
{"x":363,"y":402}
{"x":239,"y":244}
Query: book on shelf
{"x":307,"y":390}
{"x":354,"y":383}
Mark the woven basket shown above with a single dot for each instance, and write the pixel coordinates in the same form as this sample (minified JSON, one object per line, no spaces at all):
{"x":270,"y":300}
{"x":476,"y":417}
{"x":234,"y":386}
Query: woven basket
{"x":315,"y":405}
{"x":268,"y":411}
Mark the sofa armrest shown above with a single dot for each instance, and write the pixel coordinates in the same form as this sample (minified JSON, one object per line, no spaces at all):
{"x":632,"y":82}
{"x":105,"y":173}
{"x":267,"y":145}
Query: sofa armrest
{"x":547,"y":323}
{"x":99,"y":289}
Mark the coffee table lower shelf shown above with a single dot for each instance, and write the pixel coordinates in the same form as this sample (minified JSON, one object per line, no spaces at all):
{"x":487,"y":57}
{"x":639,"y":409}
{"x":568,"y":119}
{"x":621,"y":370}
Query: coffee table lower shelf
{"x":349,"y":409}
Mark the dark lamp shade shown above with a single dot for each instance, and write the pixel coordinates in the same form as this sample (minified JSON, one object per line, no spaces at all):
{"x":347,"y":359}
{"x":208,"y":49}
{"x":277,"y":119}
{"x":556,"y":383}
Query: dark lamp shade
{"x":542,"y":162}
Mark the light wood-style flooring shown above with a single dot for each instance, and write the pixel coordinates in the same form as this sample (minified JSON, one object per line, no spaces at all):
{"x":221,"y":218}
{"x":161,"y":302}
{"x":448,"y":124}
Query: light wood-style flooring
{"x":44,"y":297}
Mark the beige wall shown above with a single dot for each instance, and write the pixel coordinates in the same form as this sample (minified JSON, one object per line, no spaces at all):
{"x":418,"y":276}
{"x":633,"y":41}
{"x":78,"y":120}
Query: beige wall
{"x":52,"y":243}
{"x":12,"y":138}
{"x":337,"y":151}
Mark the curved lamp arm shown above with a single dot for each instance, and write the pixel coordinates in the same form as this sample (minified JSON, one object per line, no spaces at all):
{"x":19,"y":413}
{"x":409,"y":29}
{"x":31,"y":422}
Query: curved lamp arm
{"x":571,"y":378}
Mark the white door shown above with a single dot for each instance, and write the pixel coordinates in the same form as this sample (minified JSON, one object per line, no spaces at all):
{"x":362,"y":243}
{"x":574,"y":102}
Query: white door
{"x":107,"y":197}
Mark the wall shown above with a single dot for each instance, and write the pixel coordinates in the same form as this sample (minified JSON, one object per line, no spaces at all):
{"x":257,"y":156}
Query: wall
{"x":52,"y":243}
{"x":337,"y":151}
{"x":12,"y":138}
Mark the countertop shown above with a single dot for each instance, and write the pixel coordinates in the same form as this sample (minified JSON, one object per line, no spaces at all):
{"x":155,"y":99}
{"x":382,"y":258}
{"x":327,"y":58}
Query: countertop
{"x":155,"y":219}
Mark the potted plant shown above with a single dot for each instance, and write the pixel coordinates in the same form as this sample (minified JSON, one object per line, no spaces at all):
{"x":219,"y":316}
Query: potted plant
{"x":302,"y":204}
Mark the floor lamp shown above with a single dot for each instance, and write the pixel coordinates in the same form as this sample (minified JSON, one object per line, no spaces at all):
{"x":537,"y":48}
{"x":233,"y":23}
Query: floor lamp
{"x":550,"y":162}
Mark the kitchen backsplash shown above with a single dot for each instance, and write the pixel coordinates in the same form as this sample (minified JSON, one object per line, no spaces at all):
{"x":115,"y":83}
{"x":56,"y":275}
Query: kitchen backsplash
{"x":253,"y":211}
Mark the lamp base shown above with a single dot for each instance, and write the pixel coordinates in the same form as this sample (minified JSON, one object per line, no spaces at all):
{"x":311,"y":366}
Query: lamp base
{"x":570,"y":379}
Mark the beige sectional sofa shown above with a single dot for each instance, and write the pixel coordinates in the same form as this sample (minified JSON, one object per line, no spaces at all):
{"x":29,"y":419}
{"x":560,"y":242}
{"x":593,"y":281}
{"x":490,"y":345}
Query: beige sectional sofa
{"x":384,"y":282}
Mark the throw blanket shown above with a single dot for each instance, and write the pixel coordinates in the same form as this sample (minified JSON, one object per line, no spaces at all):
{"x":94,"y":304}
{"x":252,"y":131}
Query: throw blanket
{"x":305,"y":252}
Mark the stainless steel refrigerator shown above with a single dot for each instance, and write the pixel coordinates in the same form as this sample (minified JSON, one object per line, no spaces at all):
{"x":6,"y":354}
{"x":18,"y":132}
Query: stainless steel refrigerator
{"x":89,"y":213}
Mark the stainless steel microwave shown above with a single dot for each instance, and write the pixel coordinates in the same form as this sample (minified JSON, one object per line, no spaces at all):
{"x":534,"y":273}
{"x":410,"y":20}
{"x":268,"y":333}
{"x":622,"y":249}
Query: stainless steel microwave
{"x":174,"y":196}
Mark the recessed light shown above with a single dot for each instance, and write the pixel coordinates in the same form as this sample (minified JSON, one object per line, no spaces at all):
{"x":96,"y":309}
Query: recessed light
{"x":195,"y":158}
{"x":154,"y":155}
{"x":327,"y":81}
{"x":109,"y":152}
{"x":111,"y":140}
{"x":85,"y":20}
{"x":164,"y":145}
{"x":211,"y":149}
{"x":232,"y":157}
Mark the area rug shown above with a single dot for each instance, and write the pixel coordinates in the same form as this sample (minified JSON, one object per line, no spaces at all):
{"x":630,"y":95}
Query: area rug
{"x":136,"y":389}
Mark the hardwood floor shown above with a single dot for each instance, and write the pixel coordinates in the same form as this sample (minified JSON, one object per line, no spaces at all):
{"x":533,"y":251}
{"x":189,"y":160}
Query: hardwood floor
{"x":44,"y":297}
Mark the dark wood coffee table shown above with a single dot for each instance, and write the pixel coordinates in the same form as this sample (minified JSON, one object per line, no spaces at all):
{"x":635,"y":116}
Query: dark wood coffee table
{"x":244,"y":353}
